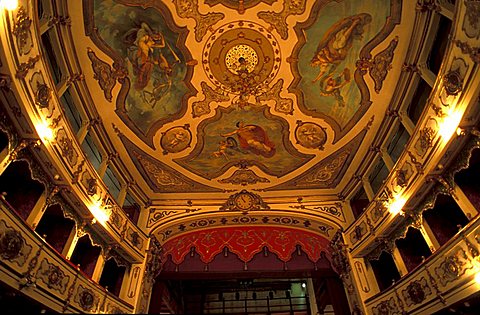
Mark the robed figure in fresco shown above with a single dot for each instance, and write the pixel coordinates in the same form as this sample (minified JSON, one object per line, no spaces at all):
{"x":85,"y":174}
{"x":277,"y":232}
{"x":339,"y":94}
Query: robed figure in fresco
{"x":253,"y":138}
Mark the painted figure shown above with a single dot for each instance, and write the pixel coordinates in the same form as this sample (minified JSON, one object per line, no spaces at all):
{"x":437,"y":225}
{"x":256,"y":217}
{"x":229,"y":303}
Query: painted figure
{"x":336,"y":43}
{"x":331,"y":86}
{"x":145,"y":52}
{"x":254,"y":139}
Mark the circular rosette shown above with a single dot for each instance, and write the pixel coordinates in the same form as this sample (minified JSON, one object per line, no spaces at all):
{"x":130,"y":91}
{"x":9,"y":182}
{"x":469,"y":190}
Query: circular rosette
{"x":241,"y":55}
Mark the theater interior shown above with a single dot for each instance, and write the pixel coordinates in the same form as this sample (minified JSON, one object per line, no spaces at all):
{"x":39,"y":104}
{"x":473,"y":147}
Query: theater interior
{"x":240,"y":157}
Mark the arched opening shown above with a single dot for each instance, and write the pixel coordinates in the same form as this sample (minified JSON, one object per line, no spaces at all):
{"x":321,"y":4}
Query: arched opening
{"x":86,"y":255}
{"x":55,"y":227}
{"x":19,"y":189}
{"x":445,"y":218}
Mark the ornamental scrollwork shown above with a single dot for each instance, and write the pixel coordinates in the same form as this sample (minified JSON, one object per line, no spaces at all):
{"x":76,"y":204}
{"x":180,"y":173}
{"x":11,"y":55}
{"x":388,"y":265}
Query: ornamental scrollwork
{"x":416,"y":292}
{"x":13,"y":246}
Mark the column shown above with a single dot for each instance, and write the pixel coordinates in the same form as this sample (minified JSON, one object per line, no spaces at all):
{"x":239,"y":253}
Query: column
{"x":426,"y":74}
{"x":97,"y":272}
{"x":407,"y":123}
{"x":368,"y":189}
{"x":429,"y":236}
{"x":311,"y":297}
{"x":387,"y":159}
{"x":464,"y":203}
{"x":70,"y":244}
{"x":397,"y":258}
{"x":122,"y":194}
{"x":38,"y":210}
{"x":82,"y":133}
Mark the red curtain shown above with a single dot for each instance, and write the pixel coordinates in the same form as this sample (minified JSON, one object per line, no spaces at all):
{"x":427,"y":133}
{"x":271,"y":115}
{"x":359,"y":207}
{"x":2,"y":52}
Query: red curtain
{"x":246,"y":242}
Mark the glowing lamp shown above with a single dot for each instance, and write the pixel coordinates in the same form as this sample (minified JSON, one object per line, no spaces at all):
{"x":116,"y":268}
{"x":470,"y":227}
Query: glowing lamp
{"x":10,"y":5}
{"x":101,"y":214}
{"x":45,"y":132}
{"x":477,"y":277}
{"x":449,"y":125}
{"x":396,"y":206}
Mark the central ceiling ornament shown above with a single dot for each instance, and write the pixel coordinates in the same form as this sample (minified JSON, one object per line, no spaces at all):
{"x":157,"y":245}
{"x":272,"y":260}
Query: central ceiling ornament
{"x":243,"y":59}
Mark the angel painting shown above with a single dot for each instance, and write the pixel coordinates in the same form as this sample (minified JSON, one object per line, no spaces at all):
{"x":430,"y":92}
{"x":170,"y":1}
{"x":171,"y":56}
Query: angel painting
{"x":149,"y":61}
{"x":252,"y":138}
{"x":336,"y":43}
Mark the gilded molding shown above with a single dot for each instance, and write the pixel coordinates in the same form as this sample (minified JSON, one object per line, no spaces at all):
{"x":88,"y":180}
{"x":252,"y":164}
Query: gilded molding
{"x":244,"y":178}
{"x":282,"y":105}
{"x":22,"y":32}
{"x":24,"y":67}
{"x":203,"y":22}
{"x":13,"y":247}
{"x":241,"y":6}
{"x":53,"y":276}
{"x":200,"y":108}
{"x":382,"y":63}
{"x":278,"y":21}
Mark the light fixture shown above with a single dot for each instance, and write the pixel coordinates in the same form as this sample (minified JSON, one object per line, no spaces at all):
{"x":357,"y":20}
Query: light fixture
{"x":45,"y":132}
{"x":477,"y":277}
{"x":449,"y":124}
{"x":100,"y":213}
{"x":9,"y":5}
{"x":395,"y":207}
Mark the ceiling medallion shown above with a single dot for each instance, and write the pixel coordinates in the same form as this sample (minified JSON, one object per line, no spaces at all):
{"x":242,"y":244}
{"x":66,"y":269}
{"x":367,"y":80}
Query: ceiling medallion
{"x":176,"y":139}
{"x":310,"y":135}
{"x":242,"y":58}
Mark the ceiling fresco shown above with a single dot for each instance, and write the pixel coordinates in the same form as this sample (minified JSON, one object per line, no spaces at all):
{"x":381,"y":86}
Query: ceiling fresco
{"x":217,"y":95}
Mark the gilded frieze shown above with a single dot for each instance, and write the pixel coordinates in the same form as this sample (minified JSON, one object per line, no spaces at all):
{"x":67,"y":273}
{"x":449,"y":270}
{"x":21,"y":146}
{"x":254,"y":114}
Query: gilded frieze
{"x":103,"y":74}
{"x":327,"y":172}
{"x":416,"y":292}
{"x":320,"y":227}
{"x":387,"y":307}
{"x":471,"y":23}
{"x":13,"y":246}
{"x":53,"y":276}
{"x":241,"y":6}
{"x":382,"y":63}
{"x":204,"y":22}
{"x":452,"y":267}
{"x":22,"y":32}
{"x":244,"y":178}
{"x":282,"y":105}
{"x":66,"y":147}
{"x":358,"y":233}
{"x":87,"y":299}
{"x":278,"y":21}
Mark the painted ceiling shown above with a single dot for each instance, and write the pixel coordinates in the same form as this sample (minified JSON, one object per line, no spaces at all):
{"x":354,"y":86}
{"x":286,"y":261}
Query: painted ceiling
{"x":218,"y":96}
